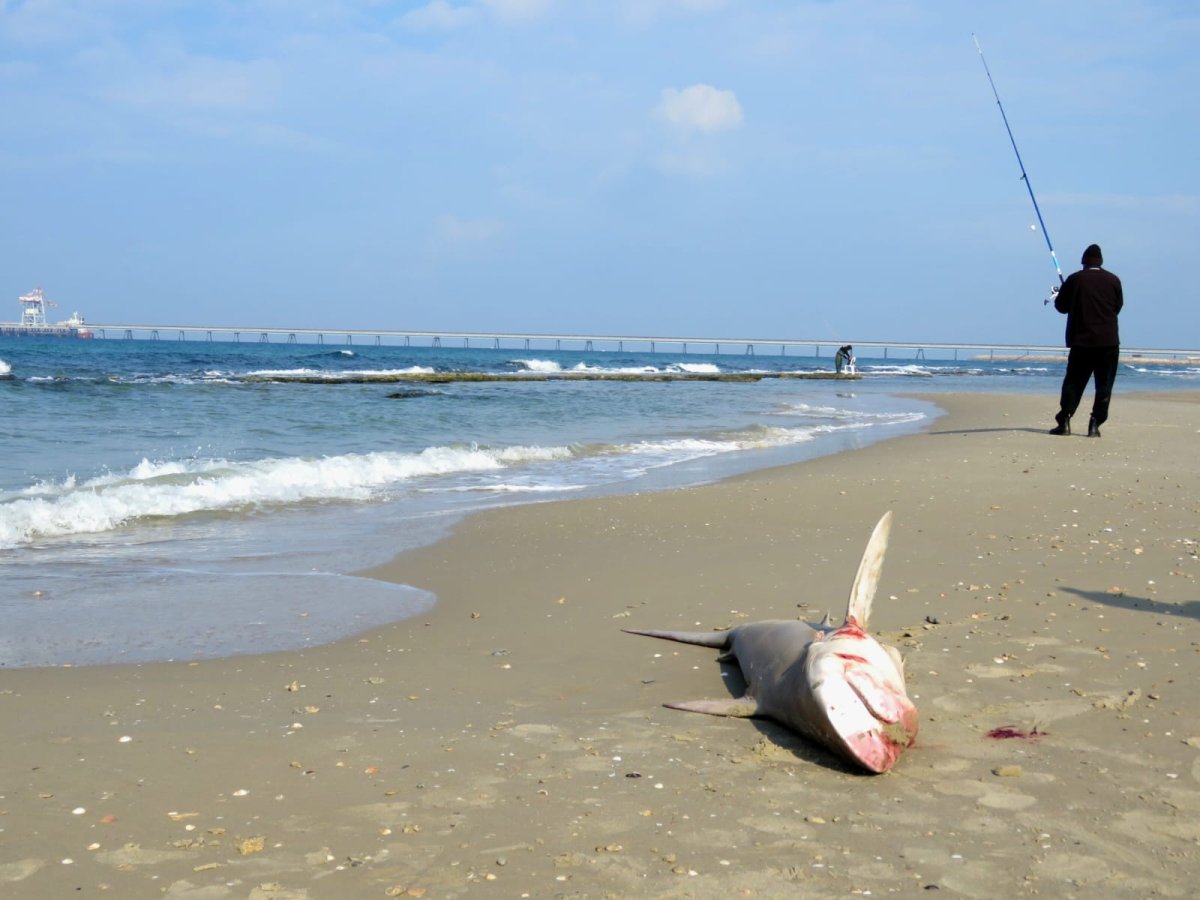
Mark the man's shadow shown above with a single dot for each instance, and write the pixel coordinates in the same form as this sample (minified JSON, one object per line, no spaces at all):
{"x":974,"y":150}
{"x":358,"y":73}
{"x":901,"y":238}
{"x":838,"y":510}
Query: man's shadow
{"x":990,"y":431}
{"x":1190,"y":609}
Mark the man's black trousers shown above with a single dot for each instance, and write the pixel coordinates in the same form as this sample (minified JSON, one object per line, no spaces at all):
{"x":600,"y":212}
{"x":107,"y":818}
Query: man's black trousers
{"x":1098,"y":363}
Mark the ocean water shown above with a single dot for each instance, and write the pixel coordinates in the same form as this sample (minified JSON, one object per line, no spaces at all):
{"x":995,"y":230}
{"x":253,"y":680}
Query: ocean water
{"x":182,"y":500}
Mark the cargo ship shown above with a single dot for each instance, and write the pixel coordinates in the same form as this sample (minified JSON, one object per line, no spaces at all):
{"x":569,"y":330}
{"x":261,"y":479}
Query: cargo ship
{"x":33,"y":321}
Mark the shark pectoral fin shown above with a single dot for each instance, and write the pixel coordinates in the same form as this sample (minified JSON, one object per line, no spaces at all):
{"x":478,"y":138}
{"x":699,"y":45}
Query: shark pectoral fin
{"x":740,"y":707}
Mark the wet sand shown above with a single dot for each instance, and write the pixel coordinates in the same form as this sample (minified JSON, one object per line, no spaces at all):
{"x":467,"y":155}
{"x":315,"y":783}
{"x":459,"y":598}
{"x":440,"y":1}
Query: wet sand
{"x":513,"y":741}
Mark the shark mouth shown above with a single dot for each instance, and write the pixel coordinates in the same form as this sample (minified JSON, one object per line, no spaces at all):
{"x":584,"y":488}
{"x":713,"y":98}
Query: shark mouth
{"x":896,"y":719}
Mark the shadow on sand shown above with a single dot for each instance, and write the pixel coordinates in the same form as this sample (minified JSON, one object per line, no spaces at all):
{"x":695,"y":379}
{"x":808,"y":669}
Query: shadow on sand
{"x":994,"y":431}
{"x":1191,"y":609}
{"x":803,"y":749}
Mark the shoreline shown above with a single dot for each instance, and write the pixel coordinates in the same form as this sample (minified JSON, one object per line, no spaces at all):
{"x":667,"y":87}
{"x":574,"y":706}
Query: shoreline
{"x":513,"y":737}
{"x":73,"y":624}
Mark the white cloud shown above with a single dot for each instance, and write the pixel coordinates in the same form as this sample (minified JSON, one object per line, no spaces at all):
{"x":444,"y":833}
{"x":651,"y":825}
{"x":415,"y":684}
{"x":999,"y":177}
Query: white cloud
{"x":647,"y":12}
{"x":201,"y":83}
{"x":439,"y":15}
{"x":1163,"y":204}
{"x":701,"y":107}
{"x":454,"y":230}
{"x":522,"y":10}
{"x":691,"y":163}
{"x":442,"y":15}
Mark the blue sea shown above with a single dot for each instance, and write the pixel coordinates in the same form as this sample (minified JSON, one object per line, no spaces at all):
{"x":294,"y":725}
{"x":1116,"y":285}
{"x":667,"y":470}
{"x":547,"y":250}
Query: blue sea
{"x":183,"y":500}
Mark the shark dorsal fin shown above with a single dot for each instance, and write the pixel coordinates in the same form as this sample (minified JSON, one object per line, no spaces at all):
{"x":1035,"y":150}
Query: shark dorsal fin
{"x":862,"y":592}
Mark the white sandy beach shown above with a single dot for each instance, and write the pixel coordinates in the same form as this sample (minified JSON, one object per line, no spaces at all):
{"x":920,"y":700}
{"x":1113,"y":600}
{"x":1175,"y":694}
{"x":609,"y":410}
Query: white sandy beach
{"x":513,"y":742}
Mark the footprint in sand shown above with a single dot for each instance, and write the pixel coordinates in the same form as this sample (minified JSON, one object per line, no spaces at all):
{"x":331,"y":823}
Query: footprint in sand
{"x":20,"y":870}
{"x":991,"y":796}
{"x":134,"y":855}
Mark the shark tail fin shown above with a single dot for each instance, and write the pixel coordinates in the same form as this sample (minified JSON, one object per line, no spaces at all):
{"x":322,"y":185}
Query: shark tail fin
{"x":862,"y":592}
{"x":718,"y":639}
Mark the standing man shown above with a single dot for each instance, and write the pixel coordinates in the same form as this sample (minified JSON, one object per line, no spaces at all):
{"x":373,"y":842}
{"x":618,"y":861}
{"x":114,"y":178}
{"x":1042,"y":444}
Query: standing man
{"x":1091,"y":299}
{"x":844,"y":357}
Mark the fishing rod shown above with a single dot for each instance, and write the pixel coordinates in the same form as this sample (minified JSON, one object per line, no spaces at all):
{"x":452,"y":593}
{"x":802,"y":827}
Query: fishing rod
{"x":1024,"y":174}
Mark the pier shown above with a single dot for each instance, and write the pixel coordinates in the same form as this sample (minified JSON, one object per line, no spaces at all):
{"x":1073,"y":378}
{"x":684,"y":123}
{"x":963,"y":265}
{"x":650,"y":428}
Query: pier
{"x":608,"y":343}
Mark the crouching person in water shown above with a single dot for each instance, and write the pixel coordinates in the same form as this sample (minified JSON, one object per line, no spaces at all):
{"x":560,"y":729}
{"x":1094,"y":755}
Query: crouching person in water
{"x":1091,"y":299}
{"x":844,"y":358}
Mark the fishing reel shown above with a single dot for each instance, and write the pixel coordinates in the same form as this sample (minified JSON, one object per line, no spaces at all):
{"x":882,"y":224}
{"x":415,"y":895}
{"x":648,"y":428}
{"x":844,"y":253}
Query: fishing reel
{"x":1053,"y":296}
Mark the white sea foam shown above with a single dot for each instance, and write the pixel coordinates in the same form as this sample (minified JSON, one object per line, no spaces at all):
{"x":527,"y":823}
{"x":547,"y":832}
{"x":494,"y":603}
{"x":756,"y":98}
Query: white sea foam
{"x":515,"y":488}
{"x":340,"y":373}
{"x":538,"y":365}
{"x":1168,"y":371}
{"x":178,"y":488}
{"x":674,"y":368}
{"x":671,"y":451}
{"x":276,"y":372}
{"x":617,"y":370}
{"x":5,"y":369}
{"x":838,"y":414}
{"x":913,"y":371}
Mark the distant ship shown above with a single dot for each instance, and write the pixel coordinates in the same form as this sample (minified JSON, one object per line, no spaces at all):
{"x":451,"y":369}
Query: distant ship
{"x":33,"y":320}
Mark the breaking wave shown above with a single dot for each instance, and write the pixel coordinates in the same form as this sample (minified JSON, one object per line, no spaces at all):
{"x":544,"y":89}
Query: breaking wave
{"x":550,"y":367}
{"x":168,"y":490}
{"x":171,"y":489}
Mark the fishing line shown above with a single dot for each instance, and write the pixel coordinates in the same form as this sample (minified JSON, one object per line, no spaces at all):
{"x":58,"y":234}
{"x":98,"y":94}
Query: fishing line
{"x":1024,"y":174}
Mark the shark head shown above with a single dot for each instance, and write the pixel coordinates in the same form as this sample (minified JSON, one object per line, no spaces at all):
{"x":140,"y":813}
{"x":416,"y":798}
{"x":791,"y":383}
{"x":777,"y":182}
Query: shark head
{"x":857,"y":683}
{"x":858,"y":689}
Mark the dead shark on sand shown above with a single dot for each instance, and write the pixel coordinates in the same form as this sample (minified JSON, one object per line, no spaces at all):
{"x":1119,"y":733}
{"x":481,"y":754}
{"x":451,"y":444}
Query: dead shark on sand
{"x":837,"y":686}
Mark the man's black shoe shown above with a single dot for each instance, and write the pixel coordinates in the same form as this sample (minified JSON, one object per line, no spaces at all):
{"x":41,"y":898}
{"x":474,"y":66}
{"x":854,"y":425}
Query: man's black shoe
{"x":1062,"y":428}
{"x":1093,"y":428}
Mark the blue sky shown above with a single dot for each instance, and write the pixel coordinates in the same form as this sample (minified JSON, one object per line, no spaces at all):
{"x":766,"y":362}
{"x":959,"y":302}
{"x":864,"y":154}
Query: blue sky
{"x":728,"y":168}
